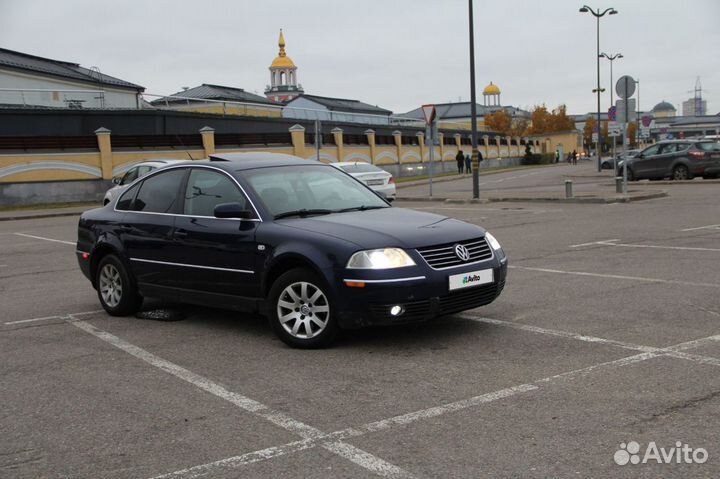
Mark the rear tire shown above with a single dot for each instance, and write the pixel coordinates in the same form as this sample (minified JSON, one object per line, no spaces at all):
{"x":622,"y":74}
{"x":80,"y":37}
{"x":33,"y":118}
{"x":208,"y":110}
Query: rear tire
{"x":680,"y":173}
{"x":630,"y":175}
{"x":116,"y":289}
{"x":301,"y":310}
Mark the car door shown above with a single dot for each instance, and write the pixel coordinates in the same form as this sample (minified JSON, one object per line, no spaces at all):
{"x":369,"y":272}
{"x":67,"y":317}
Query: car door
{"x":642,"y":165}
{"x":146,"y":228}
{"x":218,"y":255}
{"x":661,"y":166}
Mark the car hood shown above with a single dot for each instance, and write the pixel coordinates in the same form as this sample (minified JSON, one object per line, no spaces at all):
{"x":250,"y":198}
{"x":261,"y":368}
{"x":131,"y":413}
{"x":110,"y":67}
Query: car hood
{"x":388,"y":227}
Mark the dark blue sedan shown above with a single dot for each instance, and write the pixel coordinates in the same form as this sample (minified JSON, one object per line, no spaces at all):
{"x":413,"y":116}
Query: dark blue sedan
{"x":304,"y":243}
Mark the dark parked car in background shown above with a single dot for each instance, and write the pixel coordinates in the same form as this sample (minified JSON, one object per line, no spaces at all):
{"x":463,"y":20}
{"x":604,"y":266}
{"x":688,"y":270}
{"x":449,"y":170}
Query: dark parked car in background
{"x":609,"y":163}
{"x":302,"y":242}
{"x":675,"y":159}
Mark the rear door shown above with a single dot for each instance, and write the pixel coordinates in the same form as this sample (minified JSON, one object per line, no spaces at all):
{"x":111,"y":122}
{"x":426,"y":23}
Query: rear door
{"x":662,"y":163}
{"x":215,"y":255}
{"x":147,"y":227}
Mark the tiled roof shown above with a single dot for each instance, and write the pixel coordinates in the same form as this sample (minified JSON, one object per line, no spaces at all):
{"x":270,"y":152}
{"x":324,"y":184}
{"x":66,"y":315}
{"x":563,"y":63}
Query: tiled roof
{"x":346,"y":105}
{"x":214,"y":92}
{"x":56,"y":68}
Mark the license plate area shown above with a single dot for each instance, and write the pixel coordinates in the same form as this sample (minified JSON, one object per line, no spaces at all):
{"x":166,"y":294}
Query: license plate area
{"x":375,"y":182}
{"x":470,"y":279}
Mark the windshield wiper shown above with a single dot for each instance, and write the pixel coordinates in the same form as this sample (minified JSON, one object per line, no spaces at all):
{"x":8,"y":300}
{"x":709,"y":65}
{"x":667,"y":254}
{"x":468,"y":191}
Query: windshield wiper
{"x":361,"y":208}
{"x":303,"y":212}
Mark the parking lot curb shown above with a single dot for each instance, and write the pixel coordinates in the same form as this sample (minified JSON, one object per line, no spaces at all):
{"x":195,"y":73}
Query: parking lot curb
{"x":546,"y":199}
{"x":15,"y":215}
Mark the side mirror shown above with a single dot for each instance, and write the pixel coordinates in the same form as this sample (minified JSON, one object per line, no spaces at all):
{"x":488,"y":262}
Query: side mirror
{"x":116,"y":180}
{"x":232,"y":210}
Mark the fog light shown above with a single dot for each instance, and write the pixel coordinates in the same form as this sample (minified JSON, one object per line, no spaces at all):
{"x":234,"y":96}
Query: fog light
{"x":397,"y":310}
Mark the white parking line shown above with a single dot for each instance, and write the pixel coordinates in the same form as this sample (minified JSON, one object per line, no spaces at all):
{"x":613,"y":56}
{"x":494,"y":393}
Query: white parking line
{"x":602,"y":242}
{"x":361,"y":458}
{"x":707,"y":227}
{"x":60,"y":316}
{"x":554,"y":332}
{"x":46,"y":239}
{"x":617,"y":276}
{"x":613,"y":242}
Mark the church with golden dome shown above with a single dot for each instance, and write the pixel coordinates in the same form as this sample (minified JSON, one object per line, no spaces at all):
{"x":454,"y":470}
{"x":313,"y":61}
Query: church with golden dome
{"x":283,"y":85}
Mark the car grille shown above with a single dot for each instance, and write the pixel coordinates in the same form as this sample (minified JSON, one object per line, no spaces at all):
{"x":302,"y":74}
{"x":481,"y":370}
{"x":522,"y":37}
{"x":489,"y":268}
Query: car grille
{"x":452,"y":303}
{"x":443,"y":256}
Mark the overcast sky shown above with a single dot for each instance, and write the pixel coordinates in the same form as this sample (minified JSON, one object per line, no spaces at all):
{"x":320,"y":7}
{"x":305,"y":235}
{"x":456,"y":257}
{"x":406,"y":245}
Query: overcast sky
{"x":397,"y":54}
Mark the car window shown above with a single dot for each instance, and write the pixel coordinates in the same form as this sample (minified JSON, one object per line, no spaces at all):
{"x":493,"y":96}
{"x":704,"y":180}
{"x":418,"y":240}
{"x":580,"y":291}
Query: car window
{"x":207,"y":189}
{"x":669,"y":148}
{"x":653,"y":150}
{"x":144,"y":170}
{"x":126,"y":199}
{"x":290,"y":188}
{"x":683,"y":146}
{"x":709,"y":146}
{"x":159,"y":193}
{"x":130,"y":176}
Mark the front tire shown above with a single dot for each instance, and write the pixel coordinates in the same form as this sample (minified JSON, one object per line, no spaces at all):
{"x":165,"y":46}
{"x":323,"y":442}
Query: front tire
{"x":301,"y":310}
{"x":116,"y":290}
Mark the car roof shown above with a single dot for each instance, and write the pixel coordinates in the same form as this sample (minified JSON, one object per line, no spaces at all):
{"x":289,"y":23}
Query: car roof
{"x":246,"y":161}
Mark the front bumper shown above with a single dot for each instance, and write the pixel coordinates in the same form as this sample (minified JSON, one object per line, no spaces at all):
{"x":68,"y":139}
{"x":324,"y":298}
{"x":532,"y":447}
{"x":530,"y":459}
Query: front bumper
{"x":421,"y":299}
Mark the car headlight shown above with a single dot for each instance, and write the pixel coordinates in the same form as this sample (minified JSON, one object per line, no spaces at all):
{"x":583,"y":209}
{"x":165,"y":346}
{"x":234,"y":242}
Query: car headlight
{"x":494,"y":243}
{"x":385,"y":258}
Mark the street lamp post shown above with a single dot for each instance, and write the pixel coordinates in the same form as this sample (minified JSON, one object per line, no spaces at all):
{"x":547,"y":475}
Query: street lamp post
{"x":473,"y":108}
{"x":612,"y":102}
{"x":597,"y":14}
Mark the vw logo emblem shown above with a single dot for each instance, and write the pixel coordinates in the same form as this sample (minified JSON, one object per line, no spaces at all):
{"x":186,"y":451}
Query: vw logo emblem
{"x":462,"y":252}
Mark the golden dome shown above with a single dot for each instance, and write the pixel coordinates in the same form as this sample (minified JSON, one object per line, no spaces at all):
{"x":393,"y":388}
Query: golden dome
{"x":491,"y":89}
{"x":282,"y":60}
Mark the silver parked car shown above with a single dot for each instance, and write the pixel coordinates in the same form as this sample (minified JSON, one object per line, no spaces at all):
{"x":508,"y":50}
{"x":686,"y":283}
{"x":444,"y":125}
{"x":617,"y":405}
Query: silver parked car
{"x":376,"y":178}
{"x":133,"y":173}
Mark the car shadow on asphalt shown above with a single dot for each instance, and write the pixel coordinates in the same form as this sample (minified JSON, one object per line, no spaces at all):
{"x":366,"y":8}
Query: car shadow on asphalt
{"x":437,"y":333}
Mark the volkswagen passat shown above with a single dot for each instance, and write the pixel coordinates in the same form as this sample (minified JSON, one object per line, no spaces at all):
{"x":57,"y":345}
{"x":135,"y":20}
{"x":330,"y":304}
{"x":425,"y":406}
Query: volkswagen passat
{"x":304,"y":243}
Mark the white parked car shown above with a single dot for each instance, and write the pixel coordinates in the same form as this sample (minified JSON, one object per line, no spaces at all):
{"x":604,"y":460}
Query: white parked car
{"x":376,"y":178}
{"x":138,"y":170}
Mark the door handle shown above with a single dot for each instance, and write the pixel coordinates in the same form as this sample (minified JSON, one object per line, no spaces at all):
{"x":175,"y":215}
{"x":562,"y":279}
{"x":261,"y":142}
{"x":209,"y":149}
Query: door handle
{"x":181,"y":233}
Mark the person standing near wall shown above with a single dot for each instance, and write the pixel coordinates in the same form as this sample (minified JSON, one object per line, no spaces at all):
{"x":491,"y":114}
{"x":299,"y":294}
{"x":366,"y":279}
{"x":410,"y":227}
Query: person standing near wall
{"x":460,"y":158}
{"x":468,"y":164}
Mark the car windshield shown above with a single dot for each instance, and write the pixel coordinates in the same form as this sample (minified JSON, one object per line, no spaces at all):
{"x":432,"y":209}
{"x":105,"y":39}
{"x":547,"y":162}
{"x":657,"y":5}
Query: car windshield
{"x":302,"y":190}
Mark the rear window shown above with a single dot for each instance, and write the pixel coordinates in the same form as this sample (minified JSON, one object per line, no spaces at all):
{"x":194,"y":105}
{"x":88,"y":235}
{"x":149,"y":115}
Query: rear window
{"x":360,"y":168}
{"x":709,"y":146}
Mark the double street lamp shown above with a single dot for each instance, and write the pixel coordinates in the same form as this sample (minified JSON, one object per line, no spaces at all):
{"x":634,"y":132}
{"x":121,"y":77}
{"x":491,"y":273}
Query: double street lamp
{"x":597,"y":14}
{"x":612,"y":102}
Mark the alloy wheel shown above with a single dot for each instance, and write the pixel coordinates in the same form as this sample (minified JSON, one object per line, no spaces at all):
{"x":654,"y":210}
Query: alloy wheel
{"x":680,"y":173}
{"x":303,"y":310}
{"x":110,"y":284}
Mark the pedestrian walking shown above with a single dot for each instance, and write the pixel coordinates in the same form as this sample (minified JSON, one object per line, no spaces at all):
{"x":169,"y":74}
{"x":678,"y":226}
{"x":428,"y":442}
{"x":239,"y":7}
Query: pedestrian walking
{"x":557,"y":153}
{"x":574,"y":157}
{"x":468,"y":164}
{"x":460,"y":158}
